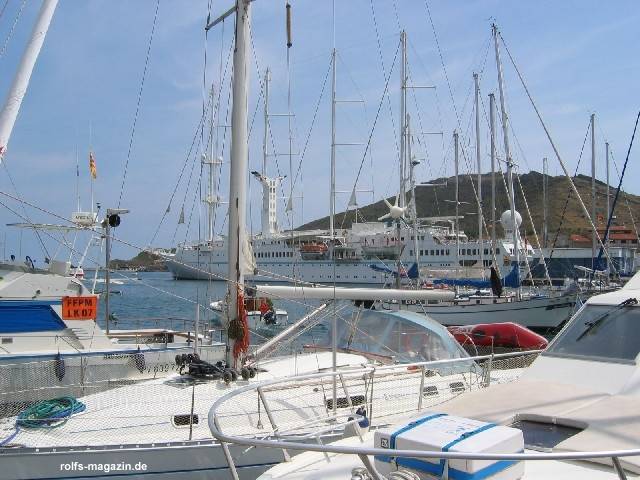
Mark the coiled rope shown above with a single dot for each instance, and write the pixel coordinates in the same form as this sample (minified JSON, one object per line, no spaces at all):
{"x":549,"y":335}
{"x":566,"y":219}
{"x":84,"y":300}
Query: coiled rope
{"x":46,"y":414}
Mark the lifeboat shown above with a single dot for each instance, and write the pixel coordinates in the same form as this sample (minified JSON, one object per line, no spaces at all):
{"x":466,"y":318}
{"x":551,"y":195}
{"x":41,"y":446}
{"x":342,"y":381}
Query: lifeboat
{"x":502,"y":335}
{"x":314,"y":251}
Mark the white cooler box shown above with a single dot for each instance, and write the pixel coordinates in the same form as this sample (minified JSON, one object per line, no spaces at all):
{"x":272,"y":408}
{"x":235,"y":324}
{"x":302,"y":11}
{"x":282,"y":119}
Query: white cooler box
{"x":441,"y":432}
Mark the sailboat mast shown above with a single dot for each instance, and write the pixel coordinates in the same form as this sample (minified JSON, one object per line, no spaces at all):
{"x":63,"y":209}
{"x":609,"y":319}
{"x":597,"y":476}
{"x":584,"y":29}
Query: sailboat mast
{"x":403,"y":115}
{"x":609,"y":213}
{"x":211,"y":199}
{"x":265,"y":151}
{"x":545,"y":220}
{"x":457,"y":200}
{"x":594,"y":238}
{"x":479,"y":163}
{"x":20,"y":83}
{"x":412,"y":185}
{"x":507,"y":152}
{"x":332,"y":197}
{"x":239,"y":160}
{"x":492,"y":127}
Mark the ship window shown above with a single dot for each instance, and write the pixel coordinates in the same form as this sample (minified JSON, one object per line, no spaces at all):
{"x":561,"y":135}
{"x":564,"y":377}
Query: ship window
{"x":421,"y":253}
{"x":432,"y":253}
{"x":497,"y":251}
{"x":437,"y":252}
{"x":486,"y":251}
{"x":447,"y":252}
{"x":601,"y":332}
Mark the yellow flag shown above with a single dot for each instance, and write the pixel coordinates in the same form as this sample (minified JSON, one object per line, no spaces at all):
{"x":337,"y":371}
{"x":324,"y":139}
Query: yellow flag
{"x":92,"y":166}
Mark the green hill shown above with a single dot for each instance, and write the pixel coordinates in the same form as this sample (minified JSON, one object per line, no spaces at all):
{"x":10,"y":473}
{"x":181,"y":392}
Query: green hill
{"x":438,"y":201}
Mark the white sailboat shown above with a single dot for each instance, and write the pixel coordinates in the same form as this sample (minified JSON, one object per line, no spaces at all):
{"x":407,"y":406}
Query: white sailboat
{"x":156,"y":429}
{"x":571,"y":414}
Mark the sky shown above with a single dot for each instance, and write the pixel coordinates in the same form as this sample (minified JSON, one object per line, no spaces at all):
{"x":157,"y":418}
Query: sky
{"x":577,"y":58}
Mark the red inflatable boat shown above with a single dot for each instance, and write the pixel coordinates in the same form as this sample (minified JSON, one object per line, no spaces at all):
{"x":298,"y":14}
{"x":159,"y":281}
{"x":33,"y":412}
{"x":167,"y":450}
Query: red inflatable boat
{"x":506,"y":335}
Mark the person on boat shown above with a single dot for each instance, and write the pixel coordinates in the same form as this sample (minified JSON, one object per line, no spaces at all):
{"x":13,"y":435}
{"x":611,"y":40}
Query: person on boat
{"x":267,"y":313}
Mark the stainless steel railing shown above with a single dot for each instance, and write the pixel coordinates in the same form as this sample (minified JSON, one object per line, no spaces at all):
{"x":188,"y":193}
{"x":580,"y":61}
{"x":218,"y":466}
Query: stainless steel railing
{"x":317,"y":427}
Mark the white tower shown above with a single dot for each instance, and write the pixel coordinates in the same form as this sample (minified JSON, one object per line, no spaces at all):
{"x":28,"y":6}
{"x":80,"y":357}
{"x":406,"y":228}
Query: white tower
{"x":269,"y":214}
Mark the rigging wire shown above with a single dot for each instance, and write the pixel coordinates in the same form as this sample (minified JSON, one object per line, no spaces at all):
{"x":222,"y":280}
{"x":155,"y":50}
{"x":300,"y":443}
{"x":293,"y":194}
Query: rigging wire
{"x":384,"y":75}
{"x":13,"y":27}
{"x":615,"y":199}
{"x":26,"y":215}
{"x":139,"y":102}
{"x":175,"y":189}
{"x":569,"y":194}
{"x":6,"y":2}
{"x":375,"y":121}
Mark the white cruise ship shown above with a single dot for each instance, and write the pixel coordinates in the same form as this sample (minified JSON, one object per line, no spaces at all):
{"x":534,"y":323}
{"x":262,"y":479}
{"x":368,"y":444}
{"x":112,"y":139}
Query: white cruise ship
{"x":366,"y":253}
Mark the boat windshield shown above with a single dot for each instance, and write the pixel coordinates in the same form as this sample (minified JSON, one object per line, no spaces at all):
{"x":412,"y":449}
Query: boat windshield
{"x":601,"y":332}
{"x":404,"y":339}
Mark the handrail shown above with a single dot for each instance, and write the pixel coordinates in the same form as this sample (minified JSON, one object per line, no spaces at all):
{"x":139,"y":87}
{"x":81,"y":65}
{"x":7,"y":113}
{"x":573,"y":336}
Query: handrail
{"x":364,"y":451}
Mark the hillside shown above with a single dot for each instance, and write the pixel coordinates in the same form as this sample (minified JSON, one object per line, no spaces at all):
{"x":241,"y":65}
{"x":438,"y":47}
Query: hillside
{"x":438,"y":201}
{"x":144,"y":261}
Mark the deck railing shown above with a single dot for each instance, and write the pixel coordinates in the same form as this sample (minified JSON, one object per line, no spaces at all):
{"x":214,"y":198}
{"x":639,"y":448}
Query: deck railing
{"x":493,"y":368}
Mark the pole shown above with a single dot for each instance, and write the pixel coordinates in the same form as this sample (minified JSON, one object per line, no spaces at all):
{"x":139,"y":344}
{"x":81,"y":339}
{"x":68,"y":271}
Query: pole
{"x":211,"y":200}
{"x":457,"y":224}
{"x":266,"y":122}
{"x":403,"y":113}
{"x":479,"y":162}
{"x":507,"y":152}
{"x":107,"y":276}
{"x":545,"y":220}
{"x":332,"y":198}
{"x":412,"y":185}
{"x":492,"y":127}
{"x":239,"y":160}
{"x":594,"y":239}
{"x":609,"y":212}
{"x":20,"y":83}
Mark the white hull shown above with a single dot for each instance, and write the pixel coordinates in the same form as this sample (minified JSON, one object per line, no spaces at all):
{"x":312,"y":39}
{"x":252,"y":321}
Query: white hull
{"x":32,"y":377}
{"x":181,"y":461}
{"x":537,"y":313}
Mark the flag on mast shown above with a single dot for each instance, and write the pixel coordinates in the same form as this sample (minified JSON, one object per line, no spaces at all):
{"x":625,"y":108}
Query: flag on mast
{"x":92,"y":166}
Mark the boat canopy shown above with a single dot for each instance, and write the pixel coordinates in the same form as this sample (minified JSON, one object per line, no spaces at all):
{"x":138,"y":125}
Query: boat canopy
{"x":512,"y":280}
{"x":402,"y":335}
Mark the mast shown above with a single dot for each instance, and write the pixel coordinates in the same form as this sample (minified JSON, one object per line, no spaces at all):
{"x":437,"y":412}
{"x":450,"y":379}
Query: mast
{"x":239,"y":160}
{"x":594,"y":238}
{"x":210,"y":199}
{"x":265,"y":152}
{"x":332,"y":195}
{"x":412,"y":185}
{"x":403,"y":117}
{"x":492,"y":127}
{"x":545,"y":220}
{"x":479,"y":162}
{"x":20,"y":83}
{"x":609,"y":213}
{"x":457,"y":224}
{"x":507,"y":152}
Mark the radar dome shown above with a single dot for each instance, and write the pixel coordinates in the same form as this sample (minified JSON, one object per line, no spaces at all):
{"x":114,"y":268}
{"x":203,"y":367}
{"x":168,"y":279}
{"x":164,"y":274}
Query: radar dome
{"x":505,"y":220}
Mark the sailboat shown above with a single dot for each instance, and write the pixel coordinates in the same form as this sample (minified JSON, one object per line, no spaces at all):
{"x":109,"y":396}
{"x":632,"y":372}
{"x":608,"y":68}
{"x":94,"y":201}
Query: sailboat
{"x":571,"y":414}
{"x":157,"y":429}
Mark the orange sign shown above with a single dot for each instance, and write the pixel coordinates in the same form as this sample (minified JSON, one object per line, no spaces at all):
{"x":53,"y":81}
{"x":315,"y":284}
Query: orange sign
{"x":79,"y":308}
